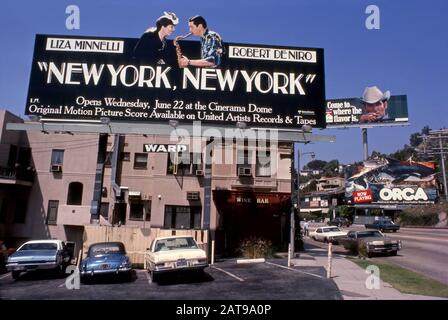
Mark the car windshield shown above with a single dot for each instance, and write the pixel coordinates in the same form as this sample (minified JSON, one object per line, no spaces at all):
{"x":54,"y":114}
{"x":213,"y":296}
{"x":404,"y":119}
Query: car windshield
{"x":39,"y":246}
{"x":332,"y":229}
{"x":174,"y":244}
{"x":367,"y":234}
{"x":106,"y":248}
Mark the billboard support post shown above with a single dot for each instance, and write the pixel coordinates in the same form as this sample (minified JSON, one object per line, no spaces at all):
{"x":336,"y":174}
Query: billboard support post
{"x":364,"y":143}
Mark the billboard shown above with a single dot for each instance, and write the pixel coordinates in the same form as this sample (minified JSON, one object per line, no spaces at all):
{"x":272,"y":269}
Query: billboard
{"x":385,"y":181}
{"x":86,"y":78}
{"x":356,"y":112}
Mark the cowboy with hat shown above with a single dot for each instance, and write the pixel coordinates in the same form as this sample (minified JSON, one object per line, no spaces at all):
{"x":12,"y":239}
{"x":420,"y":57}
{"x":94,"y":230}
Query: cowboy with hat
{"x":375,"y":105}
{"x":151,"y":48}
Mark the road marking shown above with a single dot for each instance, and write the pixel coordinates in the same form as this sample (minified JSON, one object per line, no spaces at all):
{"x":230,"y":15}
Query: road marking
{"x":228,"y":273}
{"x":310,"y":274}
{"x":4,"y":276}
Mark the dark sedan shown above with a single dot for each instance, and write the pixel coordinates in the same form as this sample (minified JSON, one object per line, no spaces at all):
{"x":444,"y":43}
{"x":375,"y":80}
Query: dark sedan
{"x":372,"y":241}
{"x":340,"y":222}
{"x":106,"y":258}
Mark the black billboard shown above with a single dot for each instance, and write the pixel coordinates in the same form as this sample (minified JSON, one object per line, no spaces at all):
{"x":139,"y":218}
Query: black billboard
{"x":86,"y":78}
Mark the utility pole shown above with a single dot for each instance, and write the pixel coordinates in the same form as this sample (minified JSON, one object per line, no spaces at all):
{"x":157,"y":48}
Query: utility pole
{"x":292,"y":220}
{"x":439,"y":135}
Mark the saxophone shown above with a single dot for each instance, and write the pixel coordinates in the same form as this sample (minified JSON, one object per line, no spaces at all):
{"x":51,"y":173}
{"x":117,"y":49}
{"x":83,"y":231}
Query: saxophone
{"x":176,"y":44}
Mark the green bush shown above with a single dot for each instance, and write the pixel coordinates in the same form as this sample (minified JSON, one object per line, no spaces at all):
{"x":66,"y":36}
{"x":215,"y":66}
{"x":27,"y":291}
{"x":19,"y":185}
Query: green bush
{"x":256,"y":248}
{"x":413,"y":218}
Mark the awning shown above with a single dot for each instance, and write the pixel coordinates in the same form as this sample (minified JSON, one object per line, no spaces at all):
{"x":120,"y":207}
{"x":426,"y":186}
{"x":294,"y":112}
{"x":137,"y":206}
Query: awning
{"x":136,"y":194}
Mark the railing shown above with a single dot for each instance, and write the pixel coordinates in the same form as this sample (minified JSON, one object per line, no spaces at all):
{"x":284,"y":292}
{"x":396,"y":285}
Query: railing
{"x":17,"y":174}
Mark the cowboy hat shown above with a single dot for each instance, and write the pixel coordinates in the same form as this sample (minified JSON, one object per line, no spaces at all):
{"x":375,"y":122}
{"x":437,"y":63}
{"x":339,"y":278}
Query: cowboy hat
{"x":373,"y":95}
{"x":171,"y":16}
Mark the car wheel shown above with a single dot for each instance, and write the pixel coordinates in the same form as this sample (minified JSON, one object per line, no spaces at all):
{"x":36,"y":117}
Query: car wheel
{"x":325,"y":240}
{"x":393,"y":253}
{"x":152,"y":276}
{"x":314,"y":238}
{"x":395,"y":230}
{"x":15,"y":274}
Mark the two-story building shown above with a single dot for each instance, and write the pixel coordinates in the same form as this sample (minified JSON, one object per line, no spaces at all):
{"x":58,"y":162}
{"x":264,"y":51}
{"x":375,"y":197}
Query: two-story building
{"x":47,"y":184}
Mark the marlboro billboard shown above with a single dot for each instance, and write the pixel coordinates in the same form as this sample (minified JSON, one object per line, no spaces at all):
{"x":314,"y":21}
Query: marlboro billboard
{"x":86,"y":78}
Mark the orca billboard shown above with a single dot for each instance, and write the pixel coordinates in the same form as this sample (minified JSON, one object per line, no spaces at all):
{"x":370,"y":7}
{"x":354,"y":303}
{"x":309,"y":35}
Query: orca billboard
{"x":86,"y":78}
{"x":385,"y":181}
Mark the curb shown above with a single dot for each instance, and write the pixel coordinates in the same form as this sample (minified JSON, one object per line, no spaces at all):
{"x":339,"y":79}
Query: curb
{"x":245,"y":261}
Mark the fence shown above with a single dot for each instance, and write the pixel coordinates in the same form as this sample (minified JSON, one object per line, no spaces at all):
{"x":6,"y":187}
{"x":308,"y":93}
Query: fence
{"x":136,"y":240}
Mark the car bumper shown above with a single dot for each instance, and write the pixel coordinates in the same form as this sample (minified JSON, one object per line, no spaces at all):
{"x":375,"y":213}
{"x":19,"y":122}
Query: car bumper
{"x":104,"y":271}
{"x":31,"y":266}
{"x":199,"y":266}
{"x":382,"y":249}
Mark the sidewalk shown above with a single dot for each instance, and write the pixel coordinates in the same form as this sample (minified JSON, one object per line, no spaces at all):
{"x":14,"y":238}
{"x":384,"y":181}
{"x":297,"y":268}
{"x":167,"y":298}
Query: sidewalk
{"x":351,"y":279}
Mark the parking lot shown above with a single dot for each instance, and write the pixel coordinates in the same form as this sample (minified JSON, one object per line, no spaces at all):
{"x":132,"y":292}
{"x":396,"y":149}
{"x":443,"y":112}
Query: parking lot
{"x":225,"y":280}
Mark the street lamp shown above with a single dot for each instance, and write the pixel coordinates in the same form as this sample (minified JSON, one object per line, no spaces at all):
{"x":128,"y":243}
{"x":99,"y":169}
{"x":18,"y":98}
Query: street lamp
{"x":295,"y":199}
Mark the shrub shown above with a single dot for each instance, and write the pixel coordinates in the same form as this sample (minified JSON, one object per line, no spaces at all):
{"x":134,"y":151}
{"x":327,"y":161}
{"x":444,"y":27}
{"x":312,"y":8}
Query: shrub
{"x":412,"y":218}
{"x":256,"y":248}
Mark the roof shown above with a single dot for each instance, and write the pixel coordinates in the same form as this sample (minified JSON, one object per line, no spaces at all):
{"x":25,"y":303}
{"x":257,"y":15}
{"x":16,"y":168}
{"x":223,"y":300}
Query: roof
{"x":173,"y":237}
{"x":44,"y":241}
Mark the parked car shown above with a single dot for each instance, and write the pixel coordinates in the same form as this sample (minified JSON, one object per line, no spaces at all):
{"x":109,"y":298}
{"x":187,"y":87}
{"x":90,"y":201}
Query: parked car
{"x":39,"y":255}
{"x":372,"y":240}
{"x":340,"y":222}
{"x":105,"y":258}
{"x":383,"y":225}
{"x":174,"y":254}
{"x":328,"y":234}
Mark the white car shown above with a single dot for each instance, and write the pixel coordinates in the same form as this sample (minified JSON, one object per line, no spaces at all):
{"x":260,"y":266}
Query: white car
{"x":173,"y":254}
{"x":328,"y":234}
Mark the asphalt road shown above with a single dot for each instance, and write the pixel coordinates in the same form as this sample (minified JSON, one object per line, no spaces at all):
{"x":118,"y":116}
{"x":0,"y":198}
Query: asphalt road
{"x":424,"y":251}
{"x":225,"y":280}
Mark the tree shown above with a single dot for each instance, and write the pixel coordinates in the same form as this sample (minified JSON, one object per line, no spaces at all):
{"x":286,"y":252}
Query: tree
{"x":415,"y":138}
{"x":316,"y":165}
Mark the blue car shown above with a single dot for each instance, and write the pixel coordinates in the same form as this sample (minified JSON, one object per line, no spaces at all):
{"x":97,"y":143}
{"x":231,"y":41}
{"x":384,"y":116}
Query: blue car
{"x":106,"y":258}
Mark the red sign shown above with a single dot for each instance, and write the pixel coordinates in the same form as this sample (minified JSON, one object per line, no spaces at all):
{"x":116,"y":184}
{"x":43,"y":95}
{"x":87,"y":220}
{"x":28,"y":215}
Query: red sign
{"x":362,"y":196}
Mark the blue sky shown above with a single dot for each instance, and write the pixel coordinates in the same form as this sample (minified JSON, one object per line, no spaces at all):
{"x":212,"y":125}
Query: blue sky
{"x":408,"y":55}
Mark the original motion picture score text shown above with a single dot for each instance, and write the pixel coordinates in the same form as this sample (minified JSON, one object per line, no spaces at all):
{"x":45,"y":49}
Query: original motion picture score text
{"x":176,"y":109}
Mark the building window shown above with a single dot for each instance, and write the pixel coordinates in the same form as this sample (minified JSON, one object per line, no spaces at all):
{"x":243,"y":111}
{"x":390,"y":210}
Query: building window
{"x":140,"y":210}
{"x":74,"y":196}
{"x":24,"y":158}
{"x":125,"y":156}
{"x":12,"y":156}
{"x":263,"y":167}
{"x":20,"y":214}
{"x":243,"y":158}
{"x":52,"y":213}
{"x":184,"y":164}
{"x":104,"y":210}
{"x":140,"y":161}
{"x":182,"y":217}
{"x":3,"y":208}
{"x":57,"y":157}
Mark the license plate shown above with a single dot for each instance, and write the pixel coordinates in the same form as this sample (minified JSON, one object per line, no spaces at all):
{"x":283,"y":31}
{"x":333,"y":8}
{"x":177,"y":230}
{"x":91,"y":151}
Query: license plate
{"x":181,"y":263}
{"x":104,"y":266}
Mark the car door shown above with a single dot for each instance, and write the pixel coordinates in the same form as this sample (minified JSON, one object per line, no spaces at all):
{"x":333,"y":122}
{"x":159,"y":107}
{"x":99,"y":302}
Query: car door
{"x":319,"y":234}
